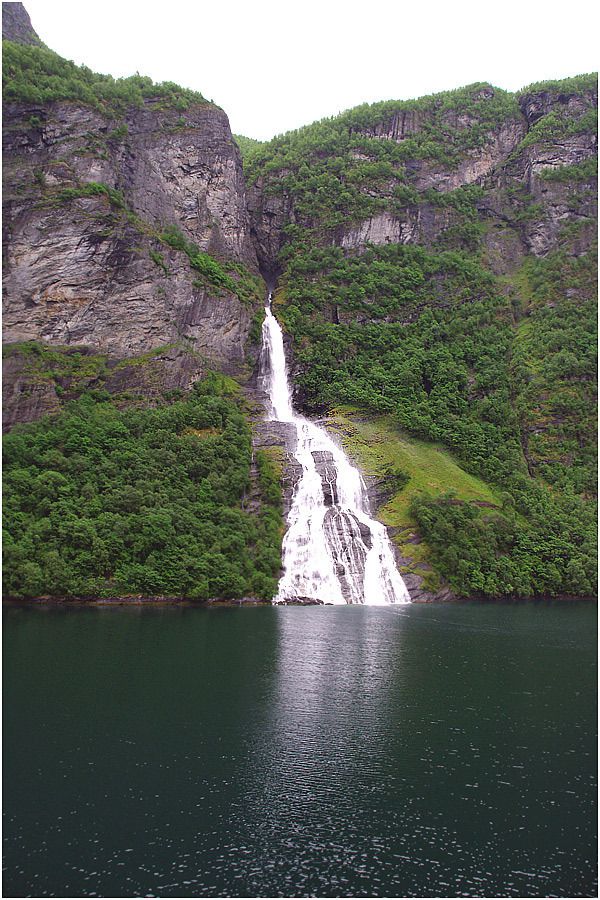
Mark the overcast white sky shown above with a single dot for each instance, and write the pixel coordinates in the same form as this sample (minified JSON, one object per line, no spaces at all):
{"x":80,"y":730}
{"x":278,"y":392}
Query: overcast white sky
{"x":274,"y":65}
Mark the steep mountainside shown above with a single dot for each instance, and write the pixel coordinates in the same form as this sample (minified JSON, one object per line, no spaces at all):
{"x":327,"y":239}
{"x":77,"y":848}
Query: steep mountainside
{"x":129,"y":278}
{"x":434,"y":262}
{"x":126,"y":228}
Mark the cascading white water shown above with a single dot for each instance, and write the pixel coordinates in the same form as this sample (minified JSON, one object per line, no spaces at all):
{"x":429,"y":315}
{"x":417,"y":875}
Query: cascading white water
{"x":333,"y":550}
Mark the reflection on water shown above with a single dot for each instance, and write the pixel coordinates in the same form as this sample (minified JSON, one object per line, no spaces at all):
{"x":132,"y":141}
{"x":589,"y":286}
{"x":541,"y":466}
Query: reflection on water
{"x":318,"y":772}
{"x":348,"y":751}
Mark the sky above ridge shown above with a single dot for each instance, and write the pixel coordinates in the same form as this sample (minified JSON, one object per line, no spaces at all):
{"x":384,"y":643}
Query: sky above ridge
{"x":275,"y":65}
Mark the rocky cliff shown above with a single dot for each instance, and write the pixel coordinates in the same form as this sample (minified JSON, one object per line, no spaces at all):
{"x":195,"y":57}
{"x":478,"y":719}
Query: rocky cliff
{"x":16,"y":25}
{"x":405,"y":166}
{"x":83,"y":268}
{"x":125,"y":230}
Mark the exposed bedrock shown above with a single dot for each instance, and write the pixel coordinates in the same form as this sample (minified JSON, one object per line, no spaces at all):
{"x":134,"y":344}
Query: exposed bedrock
{"x":16,"y":25}
{"x":172,"y":167}
{"x":86,"y":278}
{"x":88,"y":269}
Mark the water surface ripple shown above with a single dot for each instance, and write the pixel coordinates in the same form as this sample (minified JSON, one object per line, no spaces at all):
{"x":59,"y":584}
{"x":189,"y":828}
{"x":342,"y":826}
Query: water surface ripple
{"x":341,"y":751}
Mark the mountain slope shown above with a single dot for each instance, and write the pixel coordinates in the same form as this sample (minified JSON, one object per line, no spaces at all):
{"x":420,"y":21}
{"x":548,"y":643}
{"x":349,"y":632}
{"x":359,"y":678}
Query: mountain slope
{"x":125,"y":222}
{"x":436,"y":262}
{"x":129,"y":278}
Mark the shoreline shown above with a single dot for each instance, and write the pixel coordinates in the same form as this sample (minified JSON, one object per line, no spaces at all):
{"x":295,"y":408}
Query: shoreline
{"x":253,"y":603}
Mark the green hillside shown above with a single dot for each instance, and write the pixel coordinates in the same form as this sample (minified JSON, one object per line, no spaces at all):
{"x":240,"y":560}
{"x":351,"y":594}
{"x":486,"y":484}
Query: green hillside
{"x":104,"y":502}
{"x":469,"y":335}
{"x":435,"y":263}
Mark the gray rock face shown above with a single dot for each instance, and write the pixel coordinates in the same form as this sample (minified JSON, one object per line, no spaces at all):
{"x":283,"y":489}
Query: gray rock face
{"x":327,"y":471}
{"x":85,"y":270}
{"x":84,"y":276}
{"x":16,"y":25}
{"x":269,"y":214}
{"x":539,"y":103}
{"x":555,"y":198}
{"x":383,"y":228}
{"x":173,"y":168}
{"x":349,"y":553}
{"x":475,"y":165}
{"x":281,"y":435}
{"x":419,"y":594}
{"x":185,"y":168}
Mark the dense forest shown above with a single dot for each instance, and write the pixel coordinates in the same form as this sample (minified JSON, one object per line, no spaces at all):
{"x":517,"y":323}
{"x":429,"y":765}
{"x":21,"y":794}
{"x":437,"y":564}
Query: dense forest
{"x":458,"y":372}
{"x":104,"y":502}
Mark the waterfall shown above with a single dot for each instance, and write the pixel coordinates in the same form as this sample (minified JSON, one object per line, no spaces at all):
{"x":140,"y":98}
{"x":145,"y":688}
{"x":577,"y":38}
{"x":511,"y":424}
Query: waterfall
{"x":333,"y":550}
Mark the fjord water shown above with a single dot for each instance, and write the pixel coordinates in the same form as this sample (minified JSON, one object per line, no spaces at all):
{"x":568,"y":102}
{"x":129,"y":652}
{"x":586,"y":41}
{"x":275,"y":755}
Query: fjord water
{"x":287,"y":751}
{"x":333,"y":550}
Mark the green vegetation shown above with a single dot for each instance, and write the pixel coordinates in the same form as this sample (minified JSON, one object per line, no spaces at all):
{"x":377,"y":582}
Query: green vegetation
{"x":120,"y":211}
{"x":472,"y":394}
{"x":579,"y":84}
{"x":383,"y":450}
{"x":562,"y":121}
{"x":74,"y":372}
{"x":63,"y":365}
{"x":425,"y":341}
{"x":351,"y":166}
{"x":429,"y":338}
{"x":159,"y":260}
{"x":497,"y":554}
{"x":246,"y":144}
{"x":349,"y":131}
{"x":583,"y":171}
{"x":228,"y":276}
{"x":105,"y":502}
{"x":37,"y":75}
{"x":420,"y":334}
{"x":558,"y":125}
{"x":355,"y":165}
{"x":89,"y":189}
{"x":554,"y":369}
{"x":212,"y":271}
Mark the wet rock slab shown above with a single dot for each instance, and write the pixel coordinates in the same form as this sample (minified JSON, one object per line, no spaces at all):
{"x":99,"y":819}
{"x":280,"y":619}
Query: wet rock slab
{"x":301,"y":601}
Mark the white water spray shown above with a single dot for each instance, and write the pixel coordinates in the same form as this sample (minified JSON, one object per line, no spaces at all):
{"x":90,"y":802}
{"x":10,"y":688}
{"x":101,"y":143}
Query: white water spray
{"x":333,"y":550}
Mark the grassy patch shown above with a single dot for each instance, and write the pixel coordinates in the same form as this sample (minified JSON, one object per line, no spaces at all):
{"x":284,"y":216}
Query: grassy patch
{"x":378,"y":446}
{"x":144,"y":358}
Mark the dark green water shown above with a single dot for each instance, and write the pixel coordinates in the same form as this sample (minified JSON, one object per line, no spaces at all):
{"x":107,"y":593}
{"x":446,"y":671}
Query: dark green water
{"x":341,"y":751}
